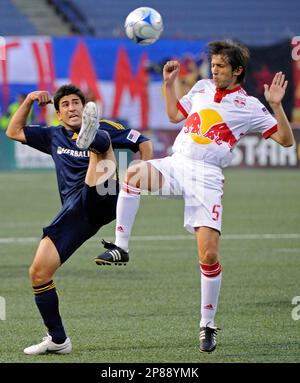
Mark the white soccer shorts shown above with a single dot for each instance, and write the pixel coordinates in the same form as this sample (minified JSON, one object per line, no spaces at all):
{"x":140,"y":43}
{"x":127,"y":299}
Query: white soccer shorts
{"x":199,"y":183}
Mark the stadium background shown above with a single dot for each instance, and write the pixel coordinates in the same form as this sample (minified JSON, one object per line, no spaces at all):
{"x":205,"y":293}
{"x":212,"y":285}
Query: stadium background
{"x":52,"y":42}
{"x":47,"y":43}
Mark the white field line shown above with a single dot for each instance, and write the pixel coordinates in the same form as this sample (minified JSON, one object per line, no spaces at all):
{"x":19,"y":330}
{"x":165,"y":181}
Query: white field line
{"x":230,"y":237}
{"x":287,"y":250}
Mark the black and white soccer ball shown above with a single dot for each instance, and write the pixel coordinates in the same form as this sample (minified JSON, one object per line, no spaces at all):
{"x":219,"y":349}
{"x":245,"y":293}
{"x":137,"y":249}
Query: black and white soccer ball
{"x":144,"y":26}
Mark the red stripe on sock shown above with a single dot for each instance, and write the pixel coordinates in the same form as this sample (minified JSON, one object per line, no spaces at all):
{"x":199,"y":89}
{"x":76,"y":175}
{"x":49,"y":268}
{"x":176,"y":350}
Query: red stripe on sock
{"x":211,"y":271}
{"x":130,"y":189}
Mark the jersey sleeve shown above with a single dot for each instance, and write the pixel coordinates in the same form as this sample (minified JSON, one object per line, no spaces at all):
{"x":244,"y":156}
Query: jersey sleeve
{"x":39,"y":137}
{"x":121,"y":137}
{"x":262,"y":121}
{"x":186,"y":102}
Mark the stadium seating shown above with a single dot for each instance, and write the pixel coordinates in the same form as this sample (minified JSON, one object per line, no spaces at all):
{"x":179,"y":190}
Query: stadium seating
{"x":74,"y":16}
{"x":12,"y":22}
{"x":210,"y":19}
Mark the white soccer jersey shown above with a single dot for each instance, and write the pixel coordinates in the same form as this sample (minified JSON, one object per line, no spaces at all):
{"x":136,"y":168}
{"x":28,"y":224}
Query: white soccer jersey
{"x":217,"y":119}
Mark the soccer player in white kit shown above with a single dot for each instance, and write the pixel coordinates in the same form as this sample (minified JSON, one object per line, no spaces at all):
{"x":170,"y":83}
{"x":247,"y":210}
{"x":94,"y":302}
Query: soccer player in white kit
{"x":217,"y":113}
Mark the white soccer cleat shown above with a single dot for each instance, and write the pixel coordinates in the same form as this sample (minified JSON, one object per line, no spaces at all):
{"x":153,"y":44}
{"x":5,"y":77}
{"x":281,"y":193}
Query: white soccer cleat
{"x":89,"y":126}
{"x":47,"y":346}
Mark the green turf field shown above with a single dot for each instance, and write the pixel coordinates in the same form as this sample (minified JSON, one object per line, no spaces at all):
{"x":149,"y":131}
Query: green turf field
{"x":148,"y":311}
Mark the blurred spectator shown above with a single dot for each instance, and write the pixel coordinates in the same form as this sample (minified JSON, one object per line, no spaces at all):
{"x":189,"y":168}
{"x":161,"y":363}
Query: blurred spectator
{"x":51,"y":116}
{"x":90,"y":96}
{"x":192,"y":69}
{"x":5,"y":118}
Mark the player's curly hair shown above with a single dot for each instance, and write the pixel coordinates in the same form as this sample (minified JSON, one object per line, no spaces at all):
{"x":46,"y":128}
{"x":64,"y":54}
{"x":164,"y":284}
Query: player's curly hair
{"x":237,"y":53}
{"x":66,"y":90}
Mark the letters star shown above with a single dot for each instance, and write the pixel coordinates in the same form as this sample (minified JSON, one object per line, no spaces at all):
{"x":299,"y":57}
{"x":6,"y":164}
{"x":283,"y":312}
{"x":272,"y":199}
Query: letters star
{"x":264,"y":76}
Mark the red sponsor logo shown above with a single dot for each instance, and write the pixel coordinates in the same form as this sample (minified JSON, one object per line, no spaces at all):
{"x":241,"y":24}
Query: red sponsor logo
{"x":208,"y":126}
{"x":193,"y":124}
{"x":209,"y":307}
{"x":220,"y":133}
{"x":120,"y":228}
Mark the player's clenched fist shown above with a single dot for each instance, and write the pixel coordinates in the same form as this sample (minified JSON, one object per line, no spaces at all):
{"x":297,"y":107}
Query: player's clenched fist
{"x":41,"y":96}
{"x":170,"y":71}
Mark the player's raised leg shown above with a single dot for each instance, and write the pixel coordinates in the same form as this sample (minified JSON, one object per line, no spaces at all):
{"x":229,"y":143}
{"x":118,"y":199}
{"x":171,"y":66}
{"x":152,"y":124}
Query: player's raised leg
{"x":44,"y":265}
{"x":142,"y":176}
{"x":211,"y":275}
{"x":89,"y":125}
{"x":90,"y":136}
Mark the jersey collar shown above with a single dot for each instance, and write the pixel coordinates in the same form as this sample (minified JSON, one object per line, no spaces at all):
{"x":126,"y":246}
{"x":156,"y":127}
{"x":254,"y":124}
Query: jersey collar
{"x":220,"y":93}
{"x":71,"y":133}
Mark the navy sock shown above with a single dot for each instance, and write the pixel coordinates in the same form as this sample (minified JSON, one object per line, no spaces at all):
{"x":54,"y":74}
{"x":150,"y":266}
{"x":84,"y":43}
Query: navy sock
{"x":46,"y":300}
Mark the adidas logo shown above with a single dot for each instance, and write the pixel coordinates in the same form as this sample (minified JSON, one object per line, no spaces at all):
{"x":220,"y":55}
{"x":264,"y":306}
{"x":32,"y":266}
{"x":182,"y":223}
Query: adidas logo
{"x":209,"y":307}
{"x":120,"y":228}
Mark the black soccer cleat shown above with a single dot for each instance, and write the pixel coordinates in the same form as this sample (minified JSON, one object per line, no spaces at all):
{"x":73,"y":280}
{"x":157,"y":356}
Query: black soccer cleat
{"x":207,"y":339}
{"x":114,"y":255}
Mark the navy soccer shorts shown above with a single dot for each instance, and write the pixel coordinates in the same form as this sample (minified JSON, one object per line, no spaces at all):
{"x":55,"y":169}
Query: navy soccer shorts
{"x":81,"y":217}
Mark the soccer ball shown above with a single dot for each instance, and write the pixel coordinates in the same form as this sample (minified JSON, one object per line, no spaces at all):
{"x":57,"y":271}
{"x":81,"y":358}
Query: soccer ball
{"x":144,"y":26}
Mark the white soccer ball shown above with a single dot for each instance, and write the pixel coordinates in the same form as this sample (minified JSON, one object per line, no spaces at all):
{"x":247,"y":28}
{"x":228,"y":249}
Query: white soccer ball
{"x":144,"y":26}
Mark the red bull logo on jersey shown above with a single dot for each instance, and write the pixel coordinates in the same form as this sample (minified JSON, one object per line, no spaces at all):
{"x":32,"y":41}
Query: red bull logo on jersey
{"x":207,"y":126}
{"x":240,"y":102}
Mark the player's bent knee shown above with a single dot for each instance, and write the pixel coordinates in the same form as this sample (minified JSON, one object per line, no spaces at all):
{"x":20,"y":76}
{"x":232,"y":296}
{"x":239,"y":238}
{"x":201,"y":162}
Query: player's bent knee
{"x":39,"y":276}
{"x":209,"y":257}
{"x":101,"y":143}
{"x":144,"y":176}
{"x":136,"y":173}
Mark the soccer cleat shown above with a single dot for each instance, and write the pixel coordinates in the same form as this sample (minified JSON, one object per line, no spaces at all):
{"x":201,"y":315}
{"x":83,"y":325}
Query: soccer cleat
{"x":114,"y":254}
{"x":47,"y":346}
{"x":207,"y":338}
{"x":89,"y":126}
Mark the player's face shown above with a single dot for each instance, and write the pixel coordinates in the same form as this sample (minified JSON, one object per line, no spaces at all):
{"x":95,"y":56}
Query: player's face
{"x":223,"y":75}
{"x":70,"y":111}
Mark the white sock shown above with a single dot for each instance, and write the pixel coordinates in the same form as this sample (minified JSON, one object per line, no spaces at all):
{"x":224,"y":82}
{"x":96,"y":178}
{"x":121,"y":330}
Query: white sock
{"x":127,"y":207}
{"x":211,"y":277}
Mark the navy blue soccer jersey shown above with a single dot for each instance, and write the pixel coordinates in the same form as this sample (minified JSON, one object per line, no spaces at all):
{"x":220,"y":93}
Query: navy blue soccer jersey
{"x":71,"y":163}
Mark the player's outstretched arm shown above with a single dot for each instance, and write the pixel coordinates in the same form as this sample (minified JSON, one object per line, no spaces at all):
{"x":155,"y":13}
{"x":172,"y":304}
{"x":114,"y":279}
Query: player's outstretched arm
{"x":15,"y":129}
{"x":170,"y":73}
{"x":274,"y":95}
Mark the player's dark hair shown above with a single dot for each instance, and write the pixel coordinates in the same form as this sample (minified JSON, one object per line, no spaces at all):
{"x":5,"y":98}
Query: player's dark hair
{"x":237,"y":53}
{"x":66,"y":90}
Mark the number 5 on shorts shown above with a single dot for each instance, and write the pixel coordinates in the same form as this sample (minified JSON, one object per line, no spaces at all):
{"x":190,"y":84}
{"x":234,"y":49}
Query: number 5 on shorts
{"x":216,"y":212}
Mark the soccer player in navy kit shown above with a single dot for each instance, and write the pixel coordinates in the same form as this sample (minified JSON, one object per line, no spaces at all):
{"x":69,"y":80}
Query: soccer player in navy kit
{"x":76,"y":146}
